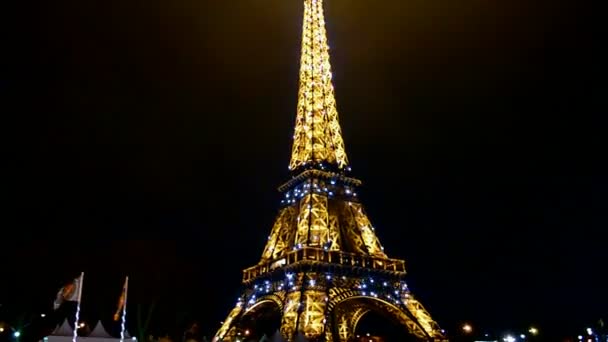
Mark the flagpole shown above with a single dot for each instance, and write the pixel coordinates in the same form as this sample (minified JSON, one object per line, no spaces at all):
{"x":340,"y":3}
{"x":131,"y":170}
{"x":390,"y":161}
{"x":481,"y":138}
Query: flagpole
{"x":77,"y":316}
{"x":124,"y":312}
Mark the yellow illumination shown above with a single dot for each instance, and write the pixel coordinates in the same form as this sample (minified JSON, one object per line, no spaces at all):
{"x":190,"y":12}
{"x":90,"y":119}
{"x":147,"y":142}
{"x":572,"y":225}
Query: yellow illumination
{"x":317,"y":136}
{"x":323,"y":225}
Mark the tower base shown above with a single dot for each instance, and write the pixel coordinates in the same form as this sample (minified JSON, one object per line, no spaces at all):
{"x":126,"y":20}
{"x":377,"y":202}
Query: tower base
{"x":320,"y":302}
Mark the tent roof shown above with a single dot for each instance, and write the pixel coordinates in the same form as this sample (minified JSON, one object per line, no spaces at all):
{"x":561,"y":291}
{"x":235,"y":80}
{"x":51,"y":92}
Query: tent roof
{"x":100,"y":331}
{"x":64,"y":329}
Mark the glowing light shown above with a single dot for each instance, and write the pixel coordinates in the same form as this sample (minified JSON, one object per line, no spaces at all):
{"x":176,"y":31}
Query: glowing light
{"x":509,"y":338}
{"x":317,"y":136}
{"x":467,"y":328}
{"x":533,"y":331}
{"x":123,"y":319}
{"x":17,"y":334}
{"x":79,"y":283}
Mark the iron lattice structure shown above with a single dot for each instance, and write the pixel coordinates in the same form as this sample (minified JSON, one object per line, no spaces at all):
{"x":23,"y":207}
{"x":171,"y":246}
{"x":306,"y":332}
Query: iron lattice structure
{"x":323,"y":267}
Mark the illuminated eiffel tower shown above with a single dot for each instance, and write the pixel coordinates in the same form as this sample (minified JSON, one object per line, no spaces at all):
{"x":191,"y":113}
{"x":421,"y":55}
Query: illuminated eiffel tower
{"x":323,"y":268}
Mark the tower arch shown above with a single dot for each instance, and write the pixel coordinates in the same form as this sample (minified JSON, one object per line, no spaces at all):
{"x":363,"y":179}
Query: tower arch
{"x":259,"y":319}
{"x":347,"y":313}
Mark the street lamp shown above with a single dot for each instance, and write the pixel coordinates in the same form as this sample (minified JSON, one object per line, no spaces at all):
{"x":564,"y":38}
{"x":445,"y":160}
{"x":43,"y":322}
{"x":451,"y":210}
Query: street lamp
{"x":533,"y":331}
{"x":467,"y":328}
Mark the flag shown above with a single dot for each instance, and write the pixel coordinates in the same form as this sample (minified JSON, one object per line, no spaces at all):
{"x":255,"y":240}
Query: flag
{"x":122,"y":300}
{"x":68,"y":293}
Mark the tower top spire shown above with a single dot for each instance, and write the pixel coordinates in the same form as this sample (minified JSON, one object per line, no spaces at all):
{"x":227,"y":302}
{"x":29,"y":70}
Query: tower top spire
{"x":317,"y":137}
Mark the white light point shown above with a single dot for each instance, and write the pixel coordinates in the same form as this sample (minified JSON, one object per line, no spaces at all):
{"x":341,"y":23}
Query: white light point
{"x":509,"y":338}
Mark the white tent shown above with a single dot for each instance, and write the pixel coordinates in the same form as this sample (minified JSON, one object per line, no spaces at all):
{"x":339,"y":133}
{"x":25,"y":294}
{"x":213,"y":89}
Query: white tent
{"x":65,"y":329}
{"x":99,"y":331}
{"x":64,"y":333}
{"x":52,"y":338}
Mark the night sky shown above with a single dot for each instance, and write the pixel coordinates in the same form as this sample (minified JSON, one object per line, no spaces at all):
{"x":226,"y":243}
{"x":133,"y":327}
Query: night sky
{"x":148,"y":138}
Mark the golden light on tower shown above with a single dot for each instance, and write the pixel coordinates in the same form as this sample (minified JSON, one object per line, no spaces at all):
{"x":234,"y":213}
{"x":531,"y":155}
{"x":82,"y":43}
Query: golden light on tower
{"x":317,"y":136}
{"x":323,"y":267}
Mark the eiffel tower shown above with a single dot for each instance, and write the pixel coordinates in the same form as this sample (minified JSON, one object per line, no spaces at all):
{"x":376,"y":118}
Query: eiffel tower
{"x":323,"y":268}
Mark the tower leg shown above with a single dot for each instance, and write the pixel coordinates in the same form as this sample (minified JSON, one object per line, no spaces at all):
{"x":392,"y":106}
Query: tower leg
{"x":223,"y":332}
{"x":312,"y":320}
{"x":290,"y":315}
{"x":423,"y":318}
{"x":347,"y":320}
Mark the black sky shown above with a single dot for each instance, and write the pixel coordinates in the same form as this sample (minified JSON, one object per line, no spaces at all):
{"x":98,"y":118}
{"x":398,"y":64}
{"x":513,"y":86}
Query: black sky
{"x":148,"y":137}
